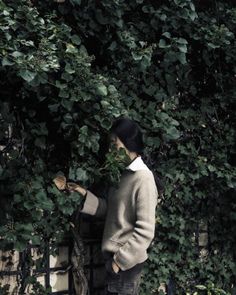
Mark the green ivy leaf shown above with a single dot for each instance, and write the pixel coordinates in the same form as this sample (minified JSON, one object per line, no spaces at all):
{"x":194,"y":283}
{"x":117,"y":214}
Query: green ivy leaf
{"x":7,"y":62}
{"x":27,"y":75}
{"x":201,"y":287}
{"x":181,"y":57}
{"x":102,"y":90}
{"x":163,"y":44}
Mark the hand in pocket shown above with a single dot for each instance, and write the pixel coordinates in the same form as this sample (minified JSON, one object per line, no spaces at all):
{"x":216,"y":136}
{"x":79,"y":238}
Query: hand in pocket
{"x":111,"y":267}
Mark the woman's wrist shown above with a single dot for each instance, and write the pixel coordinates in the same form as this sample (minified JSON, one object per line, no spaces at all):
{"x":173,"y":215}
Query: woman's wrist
{"x":82,"y":191}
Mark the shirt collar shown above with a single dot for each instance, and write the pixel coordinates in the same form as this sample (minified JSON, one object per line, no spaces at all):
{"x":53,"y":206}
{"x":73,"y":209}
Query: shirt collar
{"x":137,"y":164}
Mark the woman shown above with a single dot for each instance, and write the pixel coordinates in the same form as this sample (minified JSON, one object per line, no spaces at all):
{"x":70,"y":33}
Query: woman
{"x":129,"y":211}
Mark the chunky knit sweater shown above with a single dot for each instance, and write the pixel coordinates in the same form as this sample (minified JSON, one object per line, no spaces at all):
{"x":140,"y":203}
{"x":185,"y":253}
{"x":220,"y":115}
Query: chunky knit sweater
{"x":130,"y":215}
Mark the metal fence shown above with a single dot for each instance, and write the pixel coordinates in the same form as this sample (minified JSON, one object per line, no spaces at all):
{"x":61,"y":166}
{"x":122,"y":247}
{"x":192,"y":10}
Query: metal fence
{"x":57,"y":271}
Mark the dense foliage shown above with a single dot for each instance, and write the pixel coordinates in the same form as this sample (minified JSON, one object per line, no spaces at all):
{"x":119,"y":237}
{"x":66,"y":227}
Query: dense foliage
{"x":68,"y":69}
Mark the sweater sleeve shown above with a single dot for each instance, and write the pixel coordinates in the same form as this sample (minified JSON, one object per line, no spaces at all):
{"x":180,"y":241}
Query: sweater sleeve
{"x":94,"y":205}
{"x":134,"y":250}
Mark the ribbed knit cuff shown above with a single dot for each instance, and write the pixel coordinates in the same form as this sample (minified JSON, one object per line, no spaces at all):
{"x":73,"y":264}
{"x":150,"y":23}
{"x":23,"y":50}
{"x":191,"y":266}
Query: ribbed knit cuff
{"x":128,"y":261}
{"x":90,"y":204}
{"x":117,"y":262}
{"x":121,"y":263}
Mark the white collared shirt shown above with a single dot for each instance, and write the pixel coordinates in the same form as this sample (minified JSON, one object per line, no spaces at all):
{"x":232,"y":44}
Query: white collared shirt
{"x":137,"y":164}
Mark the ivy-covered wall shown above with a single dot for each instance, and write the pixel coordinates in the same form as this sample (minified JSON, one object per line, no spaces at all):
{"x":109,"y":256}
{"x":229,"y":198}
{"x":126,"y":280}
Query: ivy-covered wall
{"x":68,"y":69}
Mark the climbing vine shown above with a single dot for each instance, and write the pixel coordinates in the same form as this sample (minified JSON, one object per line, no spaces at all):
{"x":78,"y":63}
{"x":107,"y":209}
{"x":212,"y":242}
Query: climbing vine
{"x":68,"y":69}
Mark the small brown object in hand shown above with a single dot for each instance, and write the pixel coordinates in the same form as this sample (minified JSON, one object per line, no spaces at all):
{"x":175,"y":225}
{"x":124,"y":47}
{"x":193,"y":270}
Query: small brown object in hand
{"x":60,"y":182}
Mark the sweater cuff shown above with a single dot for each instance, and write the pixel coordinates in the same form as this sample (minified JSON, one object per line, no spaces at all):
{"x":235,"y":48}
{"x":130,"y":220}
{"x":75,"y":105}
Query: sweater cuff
{"x":90,"y":204}
{"x":122,"y":264}
{"x":116,"y":262}
{"x":125,"y":263}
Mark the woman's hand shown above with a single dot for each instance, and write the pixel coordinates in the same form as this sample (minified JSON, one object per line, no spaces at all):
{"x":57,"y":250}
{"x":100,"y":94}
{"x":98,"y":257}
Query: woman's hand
{"x":115,"y":267}
{"x":71,"y":186}
{"x":61,"y":184}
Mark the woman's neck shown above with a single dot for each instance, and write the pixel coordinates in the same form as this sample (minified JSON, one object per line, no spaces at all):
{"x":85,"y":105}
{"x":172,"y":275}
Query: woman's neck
{"x":132,"y":155}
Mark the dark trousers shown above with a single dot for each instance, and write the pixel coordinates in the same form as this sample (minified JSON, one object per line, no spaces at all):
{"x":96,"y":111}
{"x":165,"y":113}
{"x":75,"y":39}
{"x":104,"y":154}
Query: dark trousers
{"x":124,"y":282}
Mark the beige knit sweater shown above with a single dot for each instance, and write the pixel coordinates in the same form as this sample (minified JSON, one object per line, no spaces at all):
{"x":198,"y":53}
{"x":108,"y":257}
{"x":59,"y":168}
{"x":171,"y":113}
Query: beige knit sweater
{"x":130,"y":215}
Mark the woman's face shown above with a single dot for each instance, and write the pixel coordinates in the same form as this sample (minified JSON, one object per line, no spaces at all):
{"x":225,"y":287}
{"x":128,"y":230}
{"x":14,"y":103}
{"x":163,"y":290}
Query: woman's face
{"x":117,"y":142}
